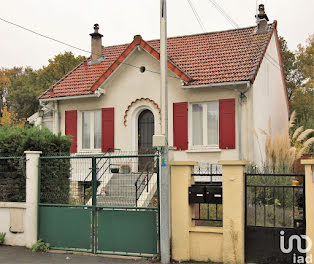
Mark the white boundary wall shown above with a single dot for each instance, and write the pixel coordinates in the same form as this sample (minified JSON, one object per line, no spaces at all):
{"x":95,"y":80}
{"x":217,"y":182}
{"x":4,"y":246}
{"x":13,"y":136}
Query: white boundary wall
{"x":19,"y":220}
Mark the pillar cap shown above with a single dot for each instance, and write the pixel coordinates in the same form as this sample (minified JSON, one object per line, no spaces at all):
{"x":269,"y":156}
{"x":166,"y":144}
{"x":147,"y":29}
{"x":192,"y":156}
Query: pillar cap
{"x":33,"y":152}
{"x":183,"y":163}
{"x":307,"y":161}
{"x":233,"y":162}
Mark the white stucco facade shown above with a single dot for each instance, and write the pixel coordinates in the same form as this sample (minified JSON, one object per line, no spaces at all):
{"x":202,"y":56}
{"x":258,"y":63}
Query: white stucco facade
{"x":269,"y":100}
{"x":129,"y":92}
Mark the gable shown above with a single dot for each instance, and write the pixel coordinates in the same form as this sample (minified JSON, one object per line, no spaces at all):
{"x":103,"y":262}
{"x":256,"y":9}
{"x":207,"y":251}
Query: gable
{"x":138,"y":42}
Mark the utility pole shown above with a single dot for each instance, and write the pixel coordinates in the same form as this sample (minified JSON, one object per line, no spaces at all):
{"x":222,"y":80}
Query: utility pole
{"x":165,"y":176}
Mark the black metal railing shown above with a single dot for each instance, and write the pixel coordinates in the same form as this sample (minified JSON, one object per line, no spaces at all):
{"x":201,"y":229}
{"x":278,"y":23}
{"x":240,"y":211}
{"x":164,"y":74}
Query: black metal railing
{"x":109,"y":151}
{"x":142,"y":181}
{"x":208,"y":212}
{"x":207,"y":174}
{"x":275,"y":200}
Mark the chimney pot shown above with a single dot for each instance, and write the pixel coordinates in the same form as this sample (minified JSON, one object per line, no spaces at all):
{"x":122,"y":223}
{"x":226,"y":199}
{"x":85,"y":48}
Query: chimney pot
{"x":96,"y":43}
{"x":261,"y":20}
{"x":261,"y":12}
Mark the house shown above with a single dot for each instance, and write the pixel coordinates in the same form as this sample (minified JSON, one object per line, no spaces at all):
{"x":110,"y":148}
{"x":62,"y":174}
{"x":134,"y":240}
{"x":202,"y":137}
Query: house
{"x":221,"y":86}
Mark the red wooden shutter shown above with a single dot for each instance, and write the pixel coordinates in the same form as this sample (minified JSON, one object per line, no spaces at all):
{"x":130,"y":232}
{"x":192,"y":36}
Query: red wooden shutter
{"x":71,"y":128}
{"x":107,"y":135}
{"x":180,"y":125}
{"x":227,"y":124}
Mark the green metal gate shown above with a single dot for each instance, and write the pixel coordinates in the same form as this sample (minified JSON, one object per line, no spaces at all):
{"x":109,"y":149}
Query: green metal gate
{"x":103,"y":204}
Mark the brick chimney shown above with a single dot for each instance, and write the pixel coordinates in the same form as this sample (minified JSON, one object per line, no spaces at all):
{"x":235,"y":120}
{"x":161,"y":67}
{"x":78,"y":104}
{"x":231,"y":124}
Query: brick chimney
{"x":96,"y":43}
{"x":261,"y":20}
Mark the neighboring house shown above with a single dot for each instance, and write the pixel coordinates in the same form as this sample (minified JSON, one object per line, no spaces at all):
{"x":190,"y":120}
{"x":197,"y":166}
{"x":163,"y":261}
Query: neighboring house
{"x":221,"y":86}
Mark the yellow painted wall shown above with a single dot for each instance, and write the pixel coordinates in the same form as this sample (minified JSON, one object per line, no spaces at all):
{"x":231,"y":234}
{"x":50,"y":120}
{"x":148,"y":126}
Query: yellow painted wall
{"x":181,"y":211}
{"x":233,"y":211}
{"x":206,"y":243}
{"x":190,"y":242}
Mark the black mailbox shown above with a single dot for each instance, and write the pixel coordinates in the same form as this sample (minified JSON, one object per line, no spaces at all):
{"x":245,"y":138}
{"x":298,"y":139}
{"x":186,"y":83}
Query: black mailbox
{"x":196,"y":194}
{"x":213,"y":194}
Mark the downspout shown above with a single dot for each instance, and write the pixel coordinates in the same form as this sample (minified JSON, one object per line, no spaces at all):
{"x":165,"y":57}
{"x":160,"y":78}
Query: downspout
{"x":241,"y":97}
{"x":240,"y":124}
{"x":57,"y":117}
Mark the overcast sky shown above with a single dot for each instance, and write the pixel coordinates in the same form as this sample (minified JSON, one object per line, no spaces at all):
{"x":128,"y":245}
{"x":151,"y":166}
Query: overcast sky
{"x":71,"y":21}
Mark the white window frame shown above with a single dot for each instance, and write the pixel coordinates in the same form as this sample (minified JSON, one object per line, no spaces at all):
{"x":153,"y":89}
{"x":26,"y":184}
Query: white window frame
{"x":92,"y":130}
{"x":205,"y":147}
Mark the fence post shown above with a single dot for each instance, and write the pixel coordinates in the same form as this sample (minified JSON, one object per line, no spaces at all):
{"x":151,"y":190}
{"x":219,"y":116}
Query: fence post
{"x":31,"y":213}
{"x":309,"y":201}
{"x":181,"y":211}
{"x":233,"y":210}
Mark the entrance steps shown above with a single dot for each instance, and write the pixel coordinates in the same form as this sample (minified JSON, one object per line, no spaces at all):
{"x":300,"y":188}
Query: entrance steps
{"x":118,"y":189}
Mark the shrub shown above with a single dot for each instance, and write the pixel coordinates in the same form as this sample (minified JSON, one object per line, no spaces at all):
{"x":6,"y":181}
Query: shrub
{"x":2,"y":236}
{"x":40,"y":246}
{"x":55,"y":173}
{"x":283,"y":149}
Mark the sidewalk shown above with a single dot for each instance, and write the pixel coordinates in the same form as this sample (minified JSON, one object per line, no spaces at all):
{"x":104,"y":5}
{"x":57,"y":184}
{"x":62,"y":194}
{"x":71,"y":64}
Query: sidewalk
{"x":22,"y":255}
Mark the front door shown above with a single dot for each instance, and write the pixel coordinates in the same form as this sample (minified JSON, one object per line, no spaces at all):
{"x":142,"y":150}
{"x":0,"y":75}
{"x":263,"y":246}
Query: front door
{"x":145,"y":139}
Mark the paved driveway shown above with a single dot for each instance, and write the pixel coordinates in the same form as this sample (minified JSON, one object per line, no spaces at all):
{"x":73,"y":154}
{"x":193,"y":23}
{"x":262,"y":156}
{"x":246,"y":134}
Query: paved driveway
{"x":21,"y":255}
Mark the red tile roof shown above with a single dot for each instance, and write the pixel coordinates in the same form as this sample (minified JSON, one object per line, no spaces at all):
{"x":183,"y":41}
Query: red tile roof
{"x":225,"y":56}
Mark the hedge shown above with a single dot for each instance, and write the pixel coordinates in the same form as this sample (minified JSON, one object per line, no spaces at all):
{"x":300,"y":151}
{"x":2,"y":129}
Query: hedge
{"x":55,"y":173}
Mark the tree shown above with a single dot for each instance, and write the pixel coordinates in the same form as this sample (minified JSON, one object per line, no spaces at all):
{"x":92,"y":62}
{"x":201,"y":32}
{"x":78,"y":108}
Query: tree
{"x":28,"y":84}
{"x":299,"y":72}
{"x":303,"y":104}
{"x":23,"y":93}
{"x":5,"y":82}
{"x":59,"y":66}
{"x":293,"y":77}
{"x":10,"y":118}
{"x":305,"y":62}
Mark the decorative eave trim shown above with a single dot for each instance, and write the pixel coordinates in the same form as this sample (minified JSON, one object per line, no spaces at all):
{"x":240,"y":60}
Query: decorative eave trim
{"x":136,"y":101}
{"x":138,"y":41}
{"x":210,"y":85}
{"x":94,"y":95}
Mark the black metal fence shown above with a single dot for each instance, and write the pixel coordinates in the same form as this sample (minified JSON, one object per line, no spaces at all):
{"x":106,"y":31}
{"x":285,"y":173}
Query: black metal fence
{"x":274,"y":203}
{"x":210,"y":211}
{"x":275,"y":200}
{"x":12,"y":179}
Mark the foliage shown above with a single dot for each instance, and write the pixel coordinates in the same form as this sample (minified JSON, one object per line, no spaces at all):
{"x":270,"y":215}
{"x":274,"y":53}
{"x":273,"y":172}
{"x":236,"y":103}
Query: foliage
{"x":23,"y":93}
{"x":59,"y":66}
{"x":299,"y":73}
{"x":5,"y":81}
{"x":293,"y":77}
{"x":10,"y":118}
{"x":54,"y":173}
{"x":2,"y":237}
{"x":40,"y":246}
{"x":21,"y":87}
{"x":284,"y":148}
{"x":305,"y":62}
{"x":298,"y":65}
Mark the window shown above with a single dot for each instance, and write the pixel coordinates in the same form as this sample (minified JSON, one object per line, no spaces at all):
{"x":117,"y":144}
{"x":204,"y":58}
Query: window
{"x":91,"y":130}
{"x":204,"y":123}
